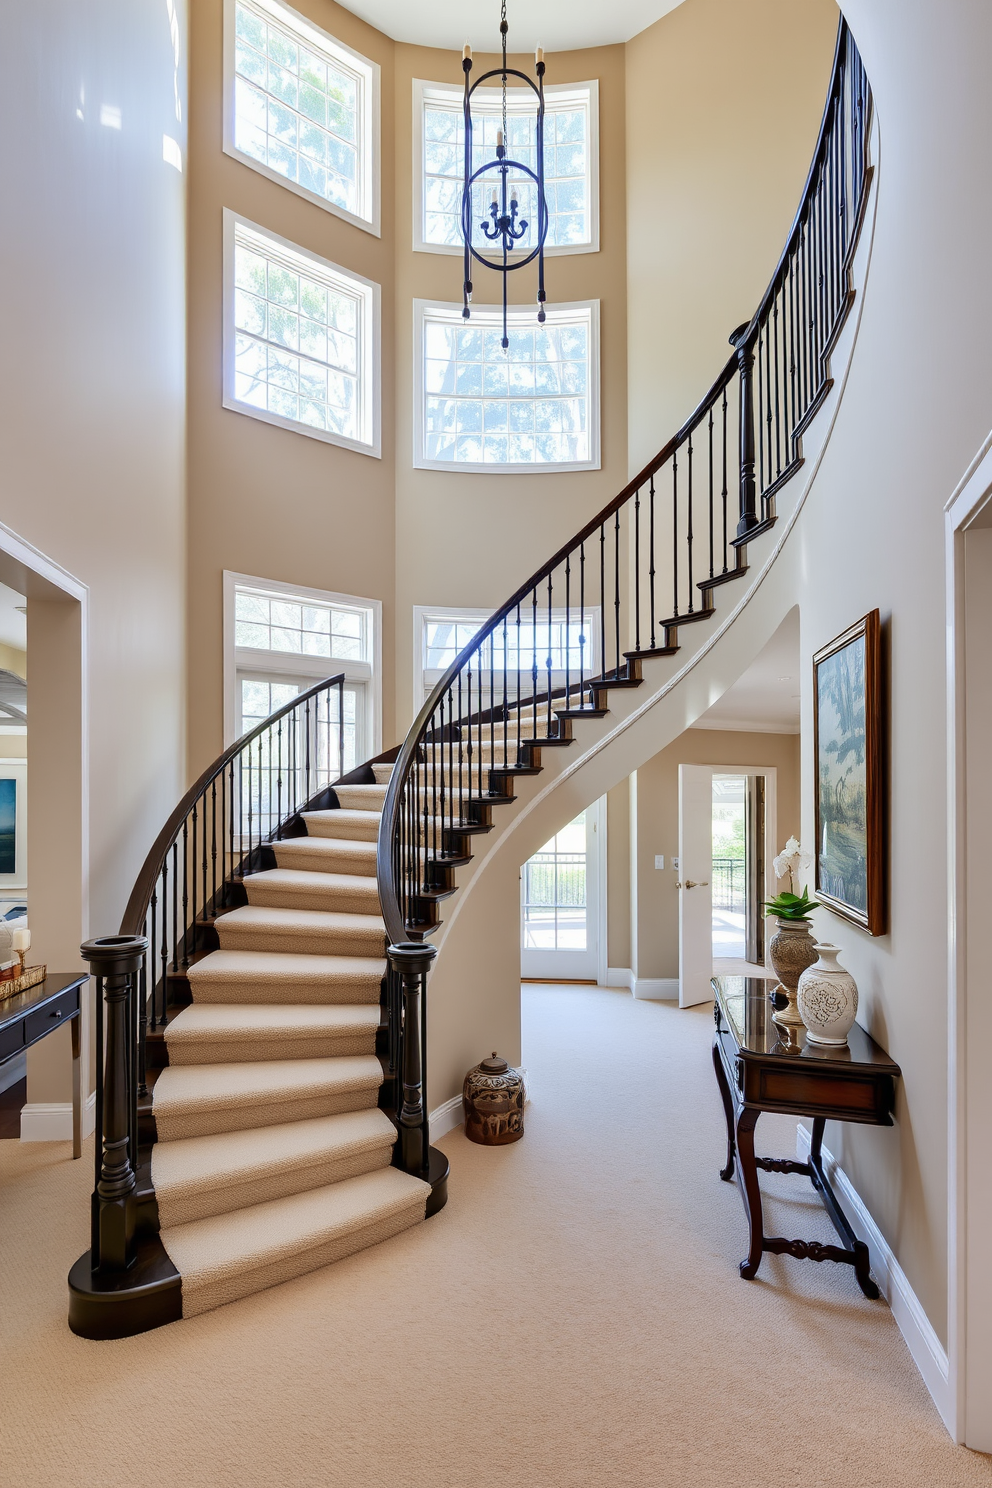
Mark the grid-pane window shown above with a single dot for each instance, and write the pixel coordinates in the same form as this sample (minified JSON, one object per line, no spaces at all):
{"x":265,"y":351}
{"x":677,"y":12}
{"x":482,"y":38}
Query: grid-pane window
{"x":301,"y":107}
{"x":568,"y":162}
{"x":529,"y":405}
{"x":555,"y":903}
{"x":302,"y":338}
{"x":266,"y":622}
{"x":514,"y":645}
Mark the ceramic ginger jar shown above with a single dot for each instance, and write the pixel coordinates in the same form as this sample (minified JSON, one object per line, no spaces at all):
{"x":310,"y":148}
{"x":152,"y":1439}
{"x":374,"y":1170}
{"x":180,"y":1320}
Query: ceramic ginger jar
{"x":493,"y":1103}
{"x":827,"y":998}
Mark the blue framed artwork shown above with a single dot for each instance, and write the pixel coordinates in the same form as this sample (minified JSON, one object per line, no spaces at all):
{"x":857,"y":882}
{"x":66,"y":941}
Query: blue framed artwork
{"x":8,"y":826}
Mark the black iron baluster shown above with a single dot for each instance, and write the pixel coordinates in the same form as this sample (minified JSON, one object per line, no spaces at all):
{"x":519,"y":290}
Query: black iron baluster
{"x":602,"y":600}
{"x":651,"y":570}
{"x":723,"y":485}
{"x":567,"y":632}
{"x":189,"y":925}
{"x":616,"y":588}
{"x":690,"y":534}
{"x":637,"y":569}
{"x":533,"y":660}
{"x":548,"y":662}
{"x":519,"y":702}
{"x":710,"y":490}
{"x":675,"y":533}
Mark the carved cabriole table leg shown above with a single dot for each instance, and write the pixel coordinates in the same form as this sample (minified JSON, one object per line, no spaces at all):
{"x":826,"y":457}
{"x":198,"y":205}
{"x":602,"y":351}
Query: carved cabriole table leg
{"x":747,"y":1178}
{"x":726,"y":1173}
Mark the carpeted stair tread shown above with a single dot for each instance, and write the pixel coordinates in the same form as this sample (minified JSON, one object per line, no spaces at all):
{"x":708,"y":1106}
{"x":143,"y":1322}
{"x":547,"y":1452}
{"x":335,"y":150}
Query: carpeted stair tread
{"x":328,"y":855}
{"x":282,"y":976}
{"x":216,"y":1033}
{"x":357,"y":826}
{"x":202,"y":1099}
{"x":232,"y":1255}
{"x":199,"y":1176}
{"x":309,"y":931}
{"x":360,"y":797}
{"x":299,"y":888}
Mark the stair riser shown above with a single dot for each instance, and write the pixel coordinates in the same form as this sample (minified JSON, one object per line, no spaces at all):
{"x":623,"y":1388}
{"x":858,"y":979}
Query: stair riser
{"x":360,"y":797}
{"x":306,"y":943}
{"x":314,"y":860}
{"x":244,"y":1116}
{"x":265,"y":993}
{"x":326,"y":826}
{"x":213,"y":1199}
{"x":196,"y":1051}
{"x":197,"y":1299}
{"x":344,"y":901}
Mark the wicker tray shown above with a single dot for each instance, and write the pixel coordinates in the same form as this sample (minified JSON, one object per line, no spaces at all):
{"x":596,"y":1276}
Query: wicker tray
{"x":29,"y":977}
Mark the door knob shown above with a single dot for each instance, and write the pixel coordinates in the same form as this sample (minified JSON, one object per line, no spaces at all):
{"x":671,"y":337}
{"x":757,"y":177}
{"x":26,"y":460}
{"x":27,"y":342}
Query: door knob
{"x":691,"y":884}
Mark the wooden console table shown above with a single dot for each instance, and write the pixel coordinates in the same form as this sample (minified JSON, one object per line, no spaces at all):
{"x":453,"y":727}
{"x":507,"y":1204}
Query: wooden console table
{"x":28,"y":1016}
{"x":759,"y":1068}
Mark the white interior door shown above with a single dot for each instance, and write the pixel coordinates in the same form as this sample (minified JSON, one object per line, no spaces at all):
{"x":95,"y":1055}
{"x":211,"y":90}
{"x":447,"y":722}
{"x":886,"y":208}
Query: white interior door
{"x":695,"y":877}
{"x":560,"y":909}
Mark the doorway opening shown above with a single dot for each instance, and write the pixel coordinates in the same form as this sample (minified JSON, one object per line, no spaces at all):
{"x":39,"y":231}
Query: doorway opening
{"x":560,"y":910}
{"x":726,"y":821}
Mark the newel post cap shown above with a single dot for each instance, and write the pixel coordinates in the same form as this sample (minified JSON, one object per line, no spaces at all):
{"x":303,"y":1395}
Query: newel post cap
{"x":412,"y":956}
{"x":113,"y":955}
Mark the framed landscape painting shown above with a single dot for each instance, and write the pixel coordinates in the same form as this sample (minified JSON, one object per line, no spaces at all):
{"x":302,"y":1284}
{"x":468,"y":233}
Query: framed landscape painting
{"x":847,"y":729}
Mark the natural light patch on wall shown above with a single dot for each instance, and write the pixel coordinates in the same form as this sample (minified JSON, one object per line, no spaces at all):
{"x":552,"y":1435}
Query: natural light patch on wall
{"x":570,"y":155}
{"x":302,"y":108}
{"x":533,"y":406}
{"x":301,"y":339}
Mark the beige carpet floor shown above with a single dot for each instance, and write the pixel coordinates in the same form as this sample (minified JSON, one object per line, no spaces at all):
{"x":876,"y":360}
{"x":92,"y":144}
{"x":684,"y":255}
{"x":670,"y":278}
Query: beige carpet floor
{"x":573,"y":1319}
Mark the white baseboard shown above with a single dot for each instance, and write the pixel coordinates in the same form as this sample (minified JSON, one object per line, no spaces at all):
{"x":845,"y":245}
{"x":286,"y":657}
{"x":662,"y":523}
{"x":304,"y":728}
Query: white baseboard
{"x":656,"y":989}
{"x":927,"y":1351}
{"x":448,"y":1115}
{"x":647,"y":989}
{"x":51,"y":1121}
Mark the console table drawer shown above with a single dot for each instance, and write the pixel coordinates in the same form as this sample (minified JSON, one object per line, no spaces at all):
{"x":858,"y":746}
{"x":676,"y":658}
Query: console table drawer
{"x":11,"y":1041}
{"x":44,"y":1020}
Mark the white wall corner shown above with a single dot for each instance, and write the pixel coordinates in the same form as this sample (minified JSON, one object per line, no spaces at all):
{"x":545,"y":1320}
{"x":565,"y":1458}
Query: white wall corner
{"x":926,"y":1349}
{"x":51,"y":1121}
{"x":620,"y":976}
{"x":656,"y":989}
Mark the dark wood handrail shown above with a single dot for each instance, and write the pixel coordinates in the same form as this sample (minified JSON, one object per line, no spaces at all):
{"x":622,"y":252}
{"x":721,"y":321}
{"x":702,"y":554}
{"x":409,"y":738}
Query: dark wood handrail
{"x":137,"y":905}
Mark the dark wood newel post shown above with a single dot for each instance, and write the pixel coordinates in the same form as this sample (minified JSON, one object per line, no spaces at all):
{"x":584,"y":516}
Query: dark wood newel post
{"x":411,"y":961}
{"x":745,"y":365}
{"x":116,"y":961}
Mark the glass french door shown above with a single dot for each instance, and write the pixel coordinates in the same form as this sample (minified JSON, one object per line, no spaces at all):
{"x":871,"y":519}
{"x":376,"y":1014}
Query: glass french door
{"x":560,"y":904}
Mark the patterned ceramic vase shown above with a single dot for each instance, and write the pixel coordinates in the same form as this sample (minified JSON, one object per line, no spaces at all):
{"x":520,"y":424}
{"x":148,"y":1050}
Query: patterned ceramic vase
{"x":493,"y":1103}
{"x":828,"y":999}
{"x":790,"y":950}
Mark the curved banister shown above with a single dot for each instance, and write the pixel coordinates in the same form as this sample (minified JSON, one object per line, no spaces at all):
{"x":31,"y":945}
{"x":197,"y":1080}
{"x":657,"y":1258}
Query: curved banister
{"x":779,"y":365}
{"x":140,"y":897}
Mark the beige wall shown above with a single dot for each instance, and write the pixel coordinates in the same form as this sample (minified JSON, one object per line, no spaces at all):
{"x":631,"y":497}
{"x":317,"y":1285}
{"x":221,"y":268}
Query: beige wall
{"x":654,"y":903}
{"x":471,"y":539}
{"x":723,"y":107}
{"x":265,"y":500}
{"x":92,"y":413}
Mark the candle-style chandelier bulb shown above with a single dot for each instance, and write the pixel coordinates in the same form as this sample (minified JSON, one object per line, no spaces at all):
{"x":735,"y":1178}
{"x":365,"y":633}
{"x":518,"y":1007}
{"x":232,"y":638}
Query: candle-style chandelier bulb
{"x":503,"y":227}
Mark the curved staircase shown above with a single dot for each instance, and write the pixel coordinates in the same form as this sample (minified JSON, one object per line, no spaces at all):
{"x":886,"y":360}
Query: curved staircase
{"x":261,"y":1102}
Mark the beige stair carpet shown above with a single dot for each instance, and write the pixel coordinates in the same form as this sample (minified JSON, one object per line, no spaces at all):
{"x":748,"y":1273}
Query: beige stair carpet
{"x":272,"y":1157}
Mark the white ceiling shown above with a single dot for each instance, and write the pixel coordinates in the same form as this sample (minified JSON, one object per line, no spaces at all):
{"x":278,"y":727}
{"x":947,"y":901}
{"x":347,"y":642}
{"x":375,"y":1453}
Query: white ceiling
{"x":557,"y":25}
{"x":765,"y":698}
{"x":13,"y":627}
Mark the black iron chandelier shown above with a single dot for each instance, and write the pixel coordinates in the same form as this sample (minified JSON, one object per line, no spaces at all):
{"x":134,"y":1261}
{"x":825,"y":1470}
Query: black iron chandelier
{"x":503,"y":227}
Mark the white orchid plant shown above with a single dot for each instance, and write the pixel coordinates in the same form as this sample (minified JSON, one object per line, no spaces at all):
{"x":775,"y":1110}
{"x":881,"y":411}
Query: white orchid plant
{"x":792,"y":863}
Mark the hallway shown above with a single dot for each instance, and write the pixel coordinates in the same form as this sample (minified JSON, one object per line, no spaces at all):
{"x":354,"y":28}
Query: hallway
{"x":572,"y":1319}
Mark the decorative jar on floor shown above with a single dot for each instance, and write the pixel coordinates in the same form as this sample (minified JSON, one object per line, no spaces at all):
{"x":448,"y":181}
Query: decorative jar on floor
{"x":493,"y":1102}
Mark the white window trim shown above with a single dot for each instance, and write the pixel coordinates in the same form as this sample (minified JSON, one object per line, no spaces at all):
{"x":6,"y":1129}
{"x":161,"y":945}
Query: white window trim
{"x":369,"y":152}
{"x":420,"y":460}
{"x":290,"y":664}
{"x":423,"y":90}
{"x":452,"y":614}
{"x":369,"y":344}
